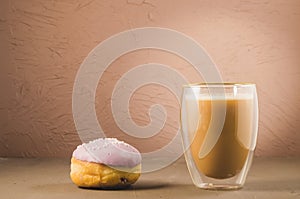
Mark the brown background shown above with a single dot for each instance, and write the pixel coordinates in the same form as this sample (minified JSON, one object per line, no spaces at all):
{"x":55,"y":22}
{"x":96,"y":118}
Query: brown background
{"x":43,"y":44}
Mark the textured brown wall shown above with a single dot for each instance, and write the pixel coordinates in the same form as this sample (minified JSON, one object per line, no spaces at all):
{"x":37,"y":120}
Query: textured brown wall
{"x":43,"y":44}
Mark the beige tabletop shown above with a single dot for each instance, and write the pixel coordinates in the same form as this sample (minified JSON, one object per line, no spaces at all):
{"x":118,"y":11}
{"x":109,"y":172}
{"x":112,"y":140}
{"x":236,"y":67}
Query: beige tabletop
{"x":49,"y":178}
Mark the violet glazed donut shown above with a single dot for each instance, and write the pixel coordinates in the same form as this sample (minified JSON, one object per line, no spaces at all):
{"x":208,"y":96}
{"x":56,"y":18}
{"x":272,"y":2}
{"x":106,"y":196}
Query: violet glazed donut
{"x":105,"y":163}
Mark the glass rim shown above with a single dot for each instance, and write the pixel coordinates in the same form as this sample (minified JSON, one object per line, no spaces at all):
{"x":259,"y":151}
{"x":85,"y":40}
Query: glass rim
{"x":218,"y":84}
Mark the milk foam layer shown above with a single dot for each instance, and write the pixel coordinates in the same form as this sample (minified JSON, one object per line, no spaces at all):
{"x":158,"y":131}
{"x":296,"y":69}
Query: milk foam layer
{"x":227,"y":96}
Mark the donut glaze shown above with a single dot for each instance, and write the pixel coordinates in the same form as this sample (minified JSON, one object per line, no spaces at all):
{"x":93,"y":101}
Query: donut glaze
{"x":108,"y":151}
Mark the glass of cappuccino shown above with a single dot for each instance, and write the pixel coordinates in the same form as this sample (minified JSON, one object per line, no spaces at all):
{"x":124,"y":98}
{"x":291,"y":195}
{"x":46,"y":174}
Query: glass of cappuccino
{"x":219,"y":123}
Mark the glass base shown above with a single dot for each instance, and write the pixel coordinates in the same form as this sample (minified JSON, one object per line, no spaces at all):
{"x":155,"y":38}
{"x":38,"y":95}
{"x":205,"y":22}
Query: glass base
{"x":224,"y":187}
{"x":204,"y":182}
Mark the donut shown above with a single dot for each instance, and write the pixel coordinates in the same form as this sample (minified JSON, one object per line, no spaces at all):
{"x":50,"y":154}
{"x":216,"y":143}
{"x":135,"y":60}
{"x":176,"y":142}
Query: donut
{"x":105,"y":163}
